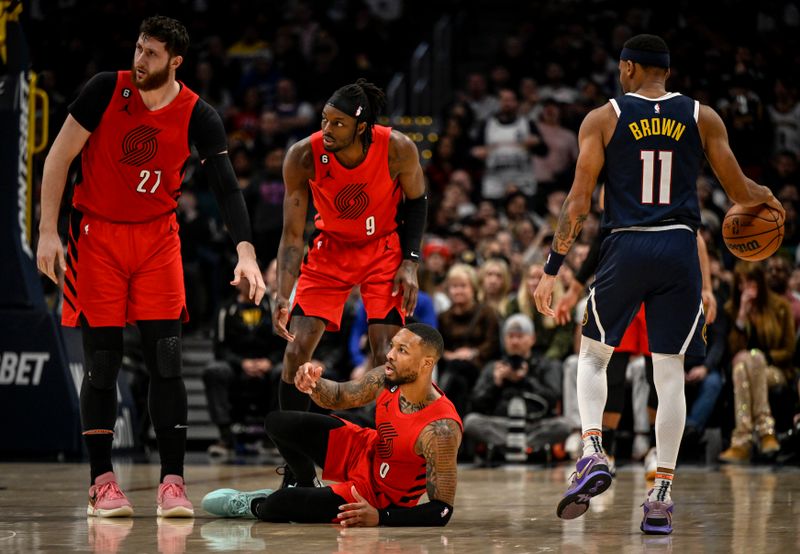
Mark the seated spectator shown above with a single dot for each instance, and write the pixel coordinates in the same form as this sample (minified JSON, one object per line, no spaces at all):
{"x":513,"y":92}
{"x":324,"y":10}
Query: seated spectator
{"x":242,"y":381}
{"x":494,"y":285}
{"x":762,"y":340}
{"x":470,"y":331}
{"x":554,"y":341}
{"x":520,"y":372}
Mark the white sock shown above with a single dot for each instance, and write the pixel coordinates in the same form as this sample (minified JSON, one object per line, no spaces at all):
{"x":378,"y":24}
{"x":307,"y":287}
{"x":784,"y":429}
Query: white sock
{"x":670,"y":418}
{"x":662,"y":488}
{"x":592,"y":390}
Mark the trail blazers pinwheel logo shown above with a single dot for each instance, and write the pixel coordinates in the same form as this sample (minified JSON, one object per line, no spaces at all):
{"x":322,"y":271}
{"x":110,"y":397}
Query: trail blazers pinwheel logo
{"x":387,"y":434}
{"x":140,"y":145}
{"x":351,"y":201}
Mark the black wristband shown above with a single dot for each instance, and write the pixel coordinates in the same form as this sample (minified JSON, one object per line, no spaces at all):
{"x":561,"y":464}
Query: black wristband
{"x":553,"y":263}
{"x":431,"y":514}
{"x":411,"y":217}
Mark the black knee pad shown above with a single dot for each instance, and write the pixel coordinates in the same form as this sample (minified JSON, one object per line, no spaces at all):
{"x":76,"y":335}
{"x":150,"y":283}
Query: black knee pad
{"x":104,"y":368}
{"x":168,"y":357}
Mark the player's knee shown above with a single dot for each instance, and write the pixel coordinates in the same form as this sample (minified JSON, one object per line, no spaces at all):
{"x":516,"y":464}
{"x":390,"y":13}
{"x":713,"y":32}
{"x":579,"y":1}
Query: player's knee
{"x":275,"y":422}
{"x":105,"y":365}
{"x":168,"y":357}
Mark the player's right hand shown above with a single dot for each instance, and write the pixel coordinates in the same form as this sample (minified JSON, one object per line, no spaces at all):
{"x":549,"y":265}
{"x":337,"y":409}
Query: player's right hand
{"x":775,"y":204}
{"x":544,"y":295}
{"x":50,"y":256}
{"x":280,"y":319}
{"x":306,"y":377}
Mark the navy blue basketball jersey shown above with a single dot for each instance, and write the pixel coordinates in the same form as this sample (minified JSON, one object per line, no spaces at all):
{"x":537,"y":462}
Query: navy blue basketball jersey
{"x":652,"y":162}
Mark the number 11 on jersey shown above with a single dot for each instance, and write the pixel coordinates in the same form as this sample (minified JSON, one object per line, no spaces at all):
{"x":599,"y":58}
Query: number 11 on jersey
{"x":648,"y":174}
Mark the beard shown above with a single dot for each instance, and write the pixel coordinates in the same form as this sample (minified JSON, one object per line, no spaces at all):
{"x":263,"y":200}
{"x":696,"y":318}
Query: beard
{"x":396,"y":379}
{"x":152,"y":80}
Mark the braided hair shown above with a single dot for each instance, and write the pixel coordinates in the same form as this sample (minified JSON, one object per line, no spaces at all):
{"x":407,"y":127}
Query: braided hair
{"x":362,"y":100}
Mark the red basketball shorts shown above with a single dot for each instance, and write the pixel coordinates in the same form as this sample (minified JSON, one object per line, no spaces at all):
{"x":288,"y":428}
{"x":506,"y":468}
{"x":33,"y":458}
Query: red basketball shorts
{"x":123,"y":272}
{"x":333,"y":267}
{"x":348,"y":462}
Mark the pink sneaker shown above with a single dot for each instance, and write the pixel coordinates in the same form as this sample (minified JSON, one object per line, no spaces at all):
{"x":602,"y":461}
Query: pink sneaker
{"x":172,"y":501}
{"x":106,"y":499}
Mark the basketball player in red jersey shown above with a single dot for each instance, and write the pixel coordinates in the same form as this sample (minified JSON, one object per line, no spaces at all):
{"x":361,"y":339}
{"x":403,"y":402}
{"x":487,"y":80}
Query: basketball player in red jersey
{"x":134,"y":130}
{"x":380,"y":474}
{"x":368,"y":189}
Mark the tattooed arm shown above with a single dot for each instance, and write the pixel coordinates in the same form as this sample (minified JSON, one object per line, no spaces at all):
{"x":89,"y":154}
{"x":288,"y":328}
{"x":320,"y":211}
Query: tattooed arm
{"x":595,"y":131}
{"x":438,"y":443}
{"x":298,"y":168}
{"x":339,"y":396}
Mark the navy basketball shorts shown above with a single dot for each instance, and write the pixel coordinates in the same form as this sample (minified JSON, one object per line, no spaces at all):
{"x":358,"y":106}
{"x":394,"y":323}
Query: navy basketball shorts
{"x":659,"y":268}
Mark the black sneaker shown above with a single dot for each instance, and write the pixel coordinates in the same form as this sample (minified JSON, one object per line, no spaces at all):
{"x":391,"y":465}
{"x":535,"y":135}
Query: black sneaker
{"x":289,"y":479}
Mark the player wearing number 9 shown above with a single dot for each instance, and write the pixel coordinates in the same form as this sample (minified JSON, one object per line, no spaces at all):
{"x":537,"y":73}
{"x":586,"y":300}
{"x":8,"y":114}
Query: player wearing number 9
{"x":367,"y":186}
{"x":134,"y":130}
{"x":652,"y":144}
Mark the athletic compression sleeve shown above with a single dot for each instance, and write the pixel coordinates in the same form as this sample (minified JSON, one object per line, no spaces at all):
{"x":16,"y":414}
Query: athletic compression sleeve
{"x":431,"y":514}
{"x":413,"y":213}
{"x":207,"y":133}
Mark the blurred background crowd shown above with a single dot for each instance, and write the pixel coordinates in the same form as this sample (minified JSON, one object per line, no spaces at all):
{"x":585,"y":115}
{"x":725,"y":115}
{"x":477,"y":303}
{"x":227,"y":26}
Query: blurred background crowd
{"x":498,"y":157}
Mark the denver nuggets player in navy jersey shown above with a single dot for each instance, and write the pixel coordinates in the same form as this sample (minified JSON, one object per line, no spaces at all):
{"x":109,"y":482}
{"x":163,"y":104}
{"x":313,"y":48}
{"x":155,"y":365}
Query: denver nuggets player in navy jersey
{"x":652,"y":144}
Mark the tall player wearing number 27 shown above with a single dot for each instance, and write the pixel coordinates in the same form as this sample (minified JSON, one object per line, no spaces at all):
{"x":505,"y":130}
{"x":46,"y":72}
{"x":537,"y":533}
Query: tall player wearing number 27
{"x":367,"y":186}
{"x":652,"y":144}
{"x":134,"y":130}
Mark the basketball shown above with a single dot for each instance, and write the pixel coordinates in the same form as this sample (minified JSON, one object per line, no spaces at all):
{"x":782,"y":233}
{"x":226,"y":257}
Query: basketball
{"x":753,"y":233}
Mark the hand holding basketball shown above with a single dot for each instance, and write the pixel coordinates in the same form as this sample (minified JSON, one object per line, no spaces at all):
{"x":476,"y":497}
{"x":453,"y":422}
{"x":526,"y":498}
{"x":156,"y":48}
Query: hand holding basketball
{"x":753,"y":233}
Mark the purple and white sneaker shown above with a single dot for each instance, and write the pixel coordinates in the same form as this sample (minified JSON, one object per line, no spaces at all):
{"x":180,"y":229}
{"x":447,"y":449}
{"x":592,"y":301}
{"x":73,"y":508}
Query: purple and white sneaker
{"x":657,"y":518}
{"x":591,"y":478}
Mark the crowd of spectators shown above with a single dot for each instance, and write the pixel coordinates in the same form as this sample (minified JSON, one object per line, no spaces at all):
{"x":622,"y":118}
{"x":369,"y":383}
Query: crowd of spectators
{"x":499,"y":171}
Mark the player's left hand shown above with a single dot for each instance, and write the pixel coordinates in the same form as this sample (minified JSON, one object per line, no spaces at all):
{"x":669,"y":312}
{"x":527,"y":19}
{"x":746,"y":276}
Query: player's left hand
{"x":406,"y":278}
{"x":709,"y":306}
{"x":544,"y":295}
{"x":247,"y":268}
{"x":359,"y":513}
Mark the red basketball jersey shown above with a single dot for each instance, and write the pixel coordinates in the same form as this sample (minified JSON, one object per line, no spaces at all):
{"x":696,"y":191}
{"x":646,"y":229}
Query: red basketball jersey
{"x":134,"y":161}
{"x":360,"y":203}
{"x":398,"y":471}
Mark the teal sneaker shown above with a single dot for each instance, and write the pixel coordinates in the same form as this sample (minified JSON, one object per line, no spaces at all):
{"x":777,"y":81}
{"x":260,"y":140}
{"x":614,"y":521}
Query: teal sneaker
{"x":232,"y":503}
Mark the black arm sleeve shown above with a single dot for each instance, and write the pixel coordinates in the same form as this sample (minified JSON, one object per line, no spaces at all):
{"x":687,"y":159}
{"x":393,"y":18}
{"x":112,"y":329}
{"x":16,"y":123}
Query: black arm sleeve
{"x":207,"y":133}
{"x":412,"y":214}
{"x":90,"y":105}
{"x":591,"y":262}
{"x":431,"y":514}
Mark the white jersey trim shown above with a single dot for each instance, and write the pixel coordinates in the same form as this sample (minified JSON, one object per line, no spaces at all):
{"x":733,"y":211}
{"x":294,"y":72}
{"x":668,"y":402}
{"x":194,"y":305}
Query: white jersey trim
{"x":691,"y":332}
{"x":665,"y":97}
{"x":615,"y":106}
{"x":696,"y":110}
{"x":650,"y":229}
{"x":597,"y":317}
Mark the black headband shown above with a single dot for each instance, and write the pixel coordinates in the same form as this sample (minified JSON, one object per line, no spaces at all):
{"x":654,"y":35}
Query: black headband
{"x":646,"y":57}
{"x":353,"y":107}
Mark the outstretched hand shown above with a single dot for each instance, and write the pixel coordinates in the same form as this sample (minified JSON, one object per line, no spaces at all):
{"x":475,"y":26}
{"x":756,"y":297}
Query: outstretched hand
{"x":359,"y":513}
{"x":307,"y":377}
{"x":247,"y":268}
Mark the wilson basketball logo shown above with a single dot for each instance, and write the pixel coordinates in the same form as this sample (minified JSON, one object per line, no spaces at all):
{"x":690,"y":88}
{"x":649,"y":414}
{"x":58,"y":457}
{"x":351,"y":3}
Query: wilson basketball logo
{"x":140,"y":145}
{"x":351,"y":201}
{"x":387,"y":434}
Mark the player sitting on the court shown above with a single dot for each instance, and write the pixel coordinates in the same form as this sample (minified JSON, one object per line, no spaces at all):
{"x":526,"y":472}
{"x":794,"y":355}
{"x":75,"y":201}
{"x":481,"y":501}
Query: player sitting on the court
{"x":379,"y":475}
